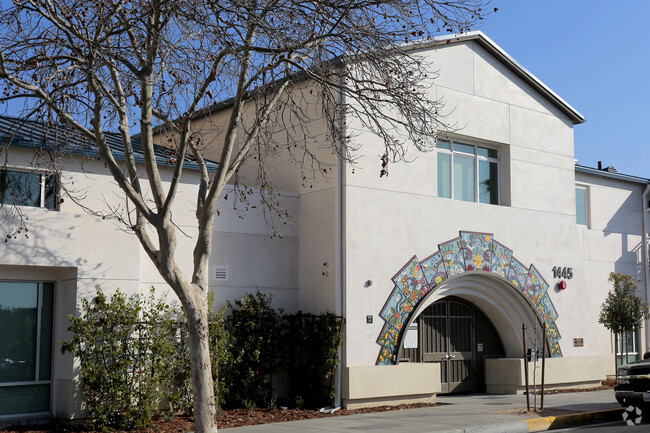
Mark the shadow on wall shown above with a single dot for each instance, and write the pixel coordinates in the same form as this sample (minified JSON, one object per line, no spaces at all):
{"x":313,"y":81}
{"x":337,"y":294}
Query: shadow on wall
{"x":50,"y":239}
{"x":627,"y":222}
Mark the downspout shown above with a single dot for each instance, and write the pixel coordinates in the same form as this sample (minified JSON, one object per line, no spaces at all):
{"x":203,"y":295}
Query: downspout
{"x":340,"y":242}
{"x":644,"y":230}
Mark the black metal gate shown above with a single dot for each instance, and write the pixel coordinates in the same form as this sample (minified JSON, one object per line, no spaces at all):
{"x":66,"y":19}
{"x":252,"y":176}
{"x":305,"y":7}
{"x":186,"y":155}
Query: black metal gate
{"x":457,"y":335}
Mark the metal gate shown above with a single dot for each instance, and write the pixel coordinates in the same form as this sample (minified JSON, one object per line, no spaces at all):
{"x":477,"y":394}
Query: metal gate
{"x":457,"y":335}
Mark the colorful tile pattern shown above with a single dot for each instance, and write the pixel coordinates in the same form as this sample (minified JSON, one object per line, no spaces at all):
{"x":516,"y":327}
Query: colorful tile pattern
{"x":410,"y":279}
{"x":553,"y":336}
{"x":478,"y":251}
{"x":471,"y":251}
{"x":501,"y":262}
{"x":389,"y":337}
{"x":434,"y":269}
{"x":452,"y":257}
{"x":537,"y":286}
{"x":546,"y":310}
{"x":518,"y":274}
{"x":397,"y":309}
{"x":385,"y":357}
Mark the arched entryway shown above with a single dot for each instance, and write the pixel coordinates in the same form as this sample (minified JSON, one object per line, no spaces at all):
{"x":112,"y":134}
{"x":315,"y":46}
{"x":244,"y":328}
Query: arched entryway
{"x":459,"y":336}
{"x":477,"y":269}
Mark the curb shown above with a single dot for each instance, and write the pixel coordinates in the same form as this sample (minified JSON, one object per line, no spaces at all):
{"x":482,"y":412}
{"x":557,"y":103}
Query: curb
{"x":546,"y":423}
{"x":564,"y":421}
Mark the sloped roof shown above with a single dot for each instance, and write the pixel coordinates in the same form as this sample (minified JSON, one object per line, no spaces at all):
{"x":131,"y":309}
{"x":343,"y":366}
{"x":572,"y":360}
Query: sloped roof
{"x":611,"y":174}
{"x":485,"y":42}
{"x":37,"y":135}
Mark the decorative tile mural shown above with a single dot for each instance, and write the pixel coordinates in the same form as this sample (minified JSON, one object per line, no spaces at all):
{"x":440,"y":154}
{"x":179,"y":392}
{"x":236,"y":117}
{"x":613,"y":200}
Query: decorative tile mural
{"x":396,"y":309}
{"x":518,"y":274}
{"x":537,"y":286}
{"x":478,"y":251}
{"x":452,"y":256}
{"x":471,"y":251}
{"x":434,"y":269}
{"x":410,"y":279}
{"x":501,"y":262}
{"x":546,"y":310}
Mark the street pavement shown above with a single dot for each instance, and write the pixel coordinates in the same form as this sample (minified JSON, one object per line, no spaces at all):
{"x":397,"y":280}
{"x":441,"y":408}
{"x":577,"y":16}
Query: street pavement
{"x":462,"y":414}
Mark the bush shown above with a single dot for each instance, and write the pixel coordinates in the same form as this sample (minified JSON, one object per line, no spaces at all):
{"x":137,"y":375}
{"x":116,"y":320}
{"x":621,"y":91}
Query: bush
{"x":123,"y":346}
{"x":253,"y":329}
{"x":133,"y":355}
{"x":310,"y":353}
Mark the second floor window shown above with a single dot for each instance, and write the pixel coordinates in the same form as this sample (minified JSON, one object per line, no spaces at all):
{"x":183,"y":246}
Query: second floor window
{"x":468,"y":172}
{"x":582,"y":202}
{"x":26,"y":188}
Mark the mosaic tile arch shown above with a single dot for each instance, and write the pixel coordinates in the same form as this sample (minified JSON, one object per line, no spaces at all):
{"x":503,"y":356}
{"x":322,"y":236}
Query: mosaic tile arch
{"x":471,"y":251}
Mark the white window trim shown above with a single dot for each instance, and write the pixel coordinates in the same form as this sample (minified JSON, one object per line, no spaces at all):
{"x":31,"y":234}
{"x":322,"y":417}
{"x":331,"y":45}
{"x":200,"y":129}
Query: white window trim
{"x":477,"y":158}
{"x":587,"y":205}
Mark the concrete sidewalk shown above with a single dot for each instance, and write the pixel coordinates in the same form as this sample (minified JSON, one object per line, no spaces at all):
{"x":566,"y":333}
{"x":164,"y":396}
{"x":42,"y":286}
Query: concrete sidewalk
{"x":463,"y":413}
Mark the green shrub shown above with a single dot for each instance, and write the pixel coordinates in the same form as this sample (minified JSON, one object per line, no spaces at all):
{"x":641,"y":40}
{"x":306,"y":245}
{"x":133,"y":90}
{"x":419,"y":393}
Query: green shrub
{"x":310,"y":353}
{"x":133,"y":355}
{"x":123,"y":345}
{"x":253,"y":328}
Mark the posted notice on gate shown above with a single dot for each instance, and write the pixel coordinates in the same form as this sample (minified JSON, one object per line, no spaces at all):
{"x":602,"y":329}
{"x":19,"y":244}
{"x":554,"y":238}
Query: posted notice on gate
{"x":411,"y":337}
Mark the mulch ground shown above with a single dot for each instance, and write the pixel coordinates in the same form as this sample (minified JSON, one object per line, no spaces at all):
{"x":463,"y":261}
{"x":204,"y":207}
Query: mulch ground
{"x":243,"y":417}
{"x":228,"y":418}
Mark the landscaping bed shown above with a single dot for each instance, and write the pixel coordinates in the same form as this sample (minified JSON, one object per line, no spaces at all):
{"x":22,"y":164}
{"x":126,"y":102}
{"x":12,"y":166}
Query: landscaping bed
{"x":228,"y":418}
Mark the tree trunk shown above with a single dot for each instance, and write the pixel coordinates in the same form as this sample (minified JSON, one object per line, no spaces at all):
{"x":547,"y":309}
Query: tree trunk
{"x":202,"y":384}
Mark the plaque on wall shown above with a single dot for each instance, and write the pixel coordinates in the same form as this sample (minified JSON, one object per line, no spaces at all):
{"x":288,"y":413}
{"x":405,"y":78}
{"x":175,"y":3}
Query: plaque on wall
{"x":411,"y":337}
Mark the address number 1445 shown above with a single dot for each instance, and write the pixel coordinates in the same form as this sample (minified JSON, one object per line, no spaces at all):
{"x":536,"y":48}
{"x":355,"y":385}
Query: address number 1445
{"x":562,"y":272}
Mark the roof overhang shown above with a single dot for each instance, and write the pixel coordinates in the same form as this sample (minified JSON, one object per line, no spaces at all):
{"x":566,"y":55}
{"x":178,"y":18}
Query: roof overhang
{"x":611,"y":175}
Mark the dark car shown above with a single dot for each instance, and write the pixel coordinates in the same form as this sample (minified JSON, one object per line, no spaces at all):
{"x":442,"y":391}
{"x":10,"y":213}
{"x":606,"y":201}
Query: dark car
{"x":633,"y":383}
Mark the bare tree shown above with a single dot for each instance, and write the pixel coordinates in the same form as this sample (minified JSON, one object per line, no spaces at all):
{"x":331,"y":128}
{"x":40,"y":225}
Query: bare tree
{"x":129,"y":65}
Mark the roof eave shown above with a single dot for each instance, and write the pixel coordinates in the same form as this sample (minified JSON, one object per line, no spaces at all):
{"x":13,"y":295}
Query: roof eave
{"x":618,"y":176}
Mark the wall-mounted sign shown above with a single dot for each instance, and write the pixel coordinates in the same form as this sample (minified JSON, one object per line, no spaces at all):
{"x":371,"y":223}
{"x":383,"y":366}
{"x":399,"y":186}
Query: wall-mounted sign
{"x":411,"y":337}
{"x":578,"y":342}
{"x":562,"y":272}
{"x":479,"y":347}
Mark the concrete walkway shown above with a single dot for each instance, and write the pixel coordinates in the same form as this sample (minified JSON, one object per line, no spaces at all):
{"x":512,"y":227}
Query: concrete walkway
{"x":463,"y":413}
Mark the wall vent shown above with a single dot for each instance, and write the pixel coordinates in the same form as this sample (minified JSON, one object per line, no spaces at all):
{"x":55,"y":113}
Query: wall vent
{"x":220,"y":273}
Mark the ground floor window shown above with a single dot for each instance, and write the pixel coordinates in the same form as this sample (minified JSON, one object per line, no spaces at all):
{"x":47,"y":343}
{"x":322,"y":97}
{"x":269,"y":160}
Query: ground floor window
{"x":632,"y":354}
{"x":26,"y":310}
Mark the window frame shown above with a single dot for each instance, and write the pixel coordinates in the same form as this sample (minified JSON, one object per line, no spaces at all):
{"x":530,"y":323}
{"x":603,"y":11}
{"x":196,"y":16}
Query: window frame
{"x":476,"y":161}
{"x":633,"y":354}
{"x":37,"y":350}
{"x":42,"y":187}
{"x":587,"y":204}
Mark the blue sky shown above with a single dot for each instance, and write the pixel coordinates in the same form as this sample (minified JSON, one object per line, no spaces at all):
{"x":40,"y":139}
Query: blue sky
{"x":595,"y":55}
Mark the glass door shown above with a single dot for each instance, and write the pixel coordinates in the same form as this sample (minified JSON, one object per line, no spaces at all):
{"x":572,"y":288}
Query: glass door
{"x":26,"y":310}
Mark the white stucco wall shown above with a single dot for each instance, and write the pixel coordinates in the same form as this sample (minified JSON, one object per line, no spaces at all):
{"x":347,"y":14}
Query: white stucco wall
{"x":79,"y":251}
{"x":390,"y":219}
